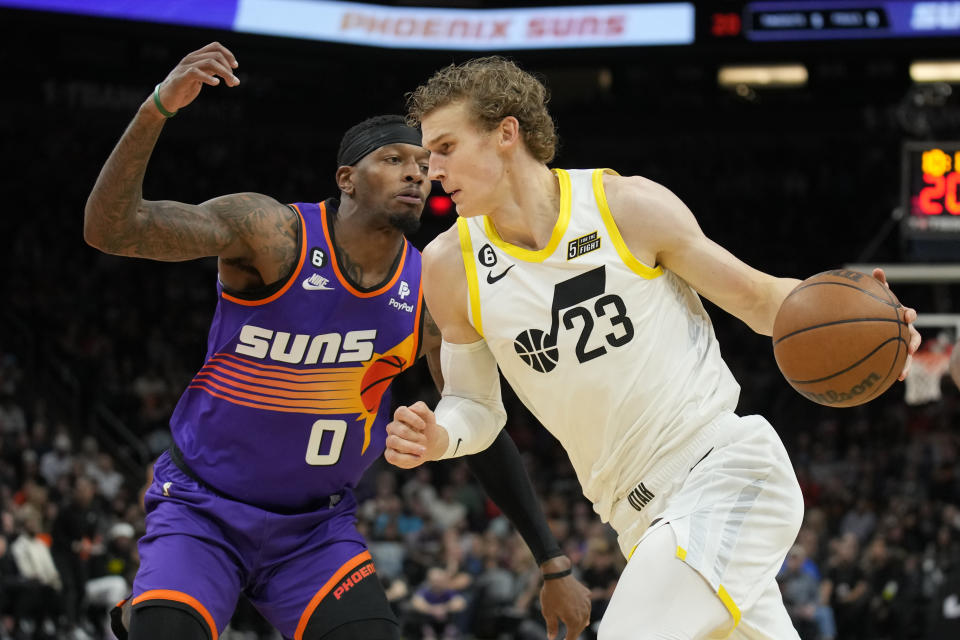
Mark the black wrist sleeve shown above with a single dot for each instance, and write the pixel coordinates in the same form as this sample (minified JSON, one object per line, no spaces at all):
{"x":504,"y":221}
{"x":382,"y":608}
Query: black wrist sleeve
{"x":500,"y":471}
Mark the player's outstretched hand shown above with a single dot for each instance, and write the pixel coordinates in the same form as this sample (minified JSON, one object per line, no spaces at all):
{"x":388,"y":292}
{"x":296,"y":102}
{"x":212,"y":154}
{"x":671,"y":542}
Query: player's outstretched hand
{"x":204,"y":66}
{"x":413,"y":437}
{"x":908,"y":315}
{"x":566,"y":600}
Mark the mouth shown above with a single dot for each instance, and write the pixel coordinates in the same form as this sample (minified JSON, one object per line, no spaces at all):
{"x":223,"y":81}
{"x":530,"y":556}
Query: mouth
{"x":453,"y":194}
{"x":411,"y":196}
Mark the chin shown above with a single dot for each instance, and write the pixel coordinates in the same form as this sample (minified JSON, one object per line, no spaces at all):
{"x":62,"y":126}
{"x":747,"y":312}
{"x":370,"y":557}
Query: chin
{"x":405,"y":222}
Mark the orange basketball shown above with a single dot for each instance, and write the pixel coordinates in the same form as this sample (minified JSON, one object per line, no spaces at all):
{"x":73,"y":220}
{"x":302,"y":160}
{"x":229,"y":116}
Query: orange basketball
{"x":838,"y":338}
{"x":377,"y":378}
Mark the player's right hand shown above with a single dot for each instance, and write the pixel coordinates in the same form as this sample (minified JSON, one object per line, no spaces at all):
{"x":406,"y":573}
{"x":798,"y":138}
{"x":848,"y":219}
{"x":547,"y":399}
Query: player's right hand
{"x":414,"y":437}
{"x":204,"y":66}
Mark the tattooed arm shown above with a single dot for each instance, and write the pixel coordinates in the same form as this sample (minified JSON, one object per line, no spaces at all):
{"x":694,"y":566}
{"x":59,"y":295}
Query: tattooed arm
{"x":254,"y":235}
{"x":430,"y":347}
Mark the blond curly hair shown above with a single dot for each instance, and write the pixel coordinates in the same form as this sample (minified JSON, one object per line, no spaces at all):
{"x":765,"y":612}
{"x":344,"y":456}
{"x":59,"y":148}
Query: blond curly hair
{"x":495,"y":88}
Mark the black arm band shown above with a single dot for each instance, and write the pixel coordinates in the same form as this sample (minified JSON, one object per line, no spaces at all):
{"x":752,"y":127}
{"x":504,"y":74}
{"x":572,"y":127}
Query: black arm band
{"x":558,"y":574}
{"x":500,"y":471}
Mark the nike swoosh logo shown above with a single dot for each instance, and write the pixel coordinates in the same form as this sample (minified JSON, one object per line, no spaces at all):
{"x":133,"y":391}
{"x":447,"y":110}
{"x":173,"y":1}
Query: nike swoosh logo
{"x":491,"y":278}
{"x":457,"y":448}
{"x":311,"y":284}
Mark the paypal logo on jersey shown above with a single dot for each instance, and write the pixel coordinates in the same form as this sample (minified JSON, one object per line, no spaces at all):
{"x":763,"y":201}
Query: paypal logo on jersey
{"x":401,"y":306}
{"x":353,"y":346}
{"x":403,"y":292}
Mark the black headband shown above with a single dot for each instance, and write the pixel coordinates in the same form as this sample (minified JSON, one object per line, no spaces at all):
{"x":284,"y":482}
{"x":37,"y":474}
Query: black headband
{"x":369,"y":140}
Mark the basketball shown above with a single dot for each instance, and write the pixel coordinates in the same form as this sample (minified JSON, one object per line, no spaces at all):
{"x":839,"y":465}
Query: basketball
{"x":377,"y":378}
{"x":838,"y":338}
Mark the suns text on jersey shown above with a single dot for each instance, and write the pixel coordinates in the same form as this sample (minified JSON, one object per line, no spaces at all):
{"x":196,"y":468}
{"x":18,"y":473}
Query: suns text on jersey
{"x":300,"y":348}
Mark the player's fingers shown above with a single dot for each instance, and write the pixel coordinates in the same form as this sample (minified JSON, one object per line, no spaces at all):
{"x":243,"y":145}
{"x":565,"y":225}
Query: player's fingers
{"x":908,"y":315}
{"x":914,"y":340}
{"x":421,"y":409}
{"x":408,"y":417}
{"x":217,"y":66}
{"x":220,"y":57}
{"x":906,"y":369}
{"x":552,"y":626}
{"x":402,"y":460}
{"x":402,"y":445}
{"x":200,"y":75}
{"x":881,"y":276}
{"x":214,"y":47}
{"x":404,"y":432}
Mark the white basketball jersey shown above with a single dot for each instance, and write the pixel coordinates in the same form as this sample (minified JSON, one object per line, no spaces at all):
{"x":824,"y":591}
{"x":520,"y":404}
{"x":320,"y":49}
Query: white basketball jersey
{"x":617,"y":359}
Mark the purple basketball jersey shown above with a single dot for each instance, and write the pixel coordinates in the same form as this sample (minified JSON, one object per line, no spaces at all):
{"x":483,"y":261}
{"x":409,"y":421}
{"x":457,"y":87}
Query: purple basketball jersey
{"x":292,"y":402}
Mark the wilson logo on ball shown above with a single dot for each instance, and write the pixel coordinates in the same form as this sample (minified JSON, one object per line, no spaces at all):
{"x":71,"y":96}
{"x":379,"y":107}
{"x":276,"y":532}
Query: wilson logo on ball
{"x":839,"y":338}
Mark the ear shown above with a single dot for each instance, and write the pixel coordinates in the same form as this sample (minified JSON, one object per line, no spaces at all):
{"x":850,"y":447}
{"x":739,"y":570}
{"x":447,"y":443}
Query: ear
{"x":508,"y":133}
{"x":345,"y":180}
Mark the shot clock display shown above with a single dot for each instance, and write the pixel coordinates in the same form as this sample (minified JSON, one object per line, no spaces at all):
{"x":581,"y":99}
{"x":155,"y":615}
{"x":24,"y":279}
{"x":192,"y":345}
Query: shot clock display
{"x":931,"y":199}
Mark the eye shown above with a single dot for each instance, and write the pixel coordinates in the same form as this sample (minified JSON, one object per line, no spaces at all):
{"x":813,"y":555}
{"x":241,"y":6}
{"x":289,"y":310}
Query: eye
{"x":392,"y":159}
{"x":425,"y":168}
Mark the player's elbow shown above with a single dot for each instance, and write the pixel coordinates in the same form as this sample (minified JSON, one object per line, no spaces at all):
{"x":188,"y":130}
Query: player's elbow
{"x":95,"y":233}
{"x":498,"y":418}
{"x":100,"y":234}
{"x":91,"y":233}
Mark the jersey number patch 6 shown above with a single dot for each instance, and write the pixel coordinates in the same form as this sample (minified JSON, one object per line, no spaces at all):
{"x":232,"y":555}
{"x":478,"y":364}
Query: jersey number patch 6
{"x":539,"y":349}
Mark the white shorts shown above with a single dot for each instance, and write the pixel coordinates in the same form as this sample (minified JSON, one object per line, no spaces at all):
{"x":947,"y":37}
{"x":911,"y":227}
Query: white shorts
{"x":734,"y":515}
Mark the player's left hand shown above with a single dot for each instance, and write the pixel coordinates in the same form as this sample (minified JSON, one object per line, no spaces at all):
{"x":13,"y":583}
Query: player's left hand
{"x":908,"y":316}
{"x":566,"y":600}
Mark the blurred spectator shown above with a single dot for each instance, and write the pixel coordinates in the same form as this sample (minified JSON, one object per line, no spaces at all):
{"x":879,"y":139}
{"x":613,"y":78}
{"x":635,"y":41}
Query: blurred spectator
{"x":801,"y":594}
{"x":845,"y":589}
{"x":76,"y":541}
{"x":111,"y":574}
{"x":435,"y":606}
{"x":600,"y":575}
{"x":34,"y":593}
{"x":57,"y":462}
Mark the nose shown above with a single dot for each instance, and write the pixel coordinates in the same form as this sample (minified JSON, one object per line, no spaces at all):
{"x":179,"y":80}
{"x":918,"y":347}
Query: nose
{"x":436,"y":170}
{"x":411,"y":171}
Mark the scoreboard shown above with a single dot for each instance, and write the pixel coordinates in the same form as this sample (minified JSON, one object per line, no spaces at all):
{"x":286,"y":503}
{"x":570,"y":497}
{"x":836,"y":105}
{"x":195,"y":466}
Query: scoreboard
{"x":930,"y":198}
{"x":812,"y":20}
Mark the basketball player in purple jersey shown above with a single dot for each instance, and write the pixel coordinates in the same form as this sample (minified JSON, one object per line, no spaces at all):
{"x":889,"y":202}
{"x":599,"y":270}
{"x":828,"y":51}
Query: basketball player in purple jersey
{"x":320,"y":306}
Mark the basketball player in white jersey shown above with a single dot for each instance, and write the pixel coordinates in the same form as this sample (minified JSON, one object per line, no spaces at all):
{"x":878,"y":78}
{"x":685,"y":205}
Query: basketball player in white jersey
{"x":583,"y":287}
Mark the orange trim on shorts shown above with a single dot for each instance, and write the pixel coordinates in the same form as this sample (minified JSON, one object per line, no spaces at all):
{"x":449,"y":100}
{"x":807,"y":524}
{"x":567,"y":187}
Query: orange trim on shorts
{"x":179,"y":596}
{"x":336,"y":266}
{"x":344,"y":569}
{"x":293,"y":276}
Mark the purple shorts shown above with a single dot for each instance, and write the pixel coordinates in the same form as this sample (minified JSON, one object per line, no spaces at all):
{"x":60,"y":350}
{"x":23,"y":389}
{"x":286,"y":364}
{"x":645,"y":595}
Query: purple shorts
{"x":202,"y":550}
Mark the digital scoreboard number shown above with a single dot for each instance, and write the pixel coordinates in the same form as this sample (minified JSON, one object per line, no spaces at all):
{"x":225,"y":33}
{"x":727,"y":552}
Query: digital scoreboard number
{"x":931,"y":199}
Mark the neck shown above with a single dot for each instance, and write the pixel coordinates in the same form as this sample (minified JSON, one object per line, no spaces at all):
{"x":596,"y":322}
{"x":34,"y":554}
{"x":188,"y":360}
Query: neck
{"x":528,"y":213}
{"x":366,"y":245}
